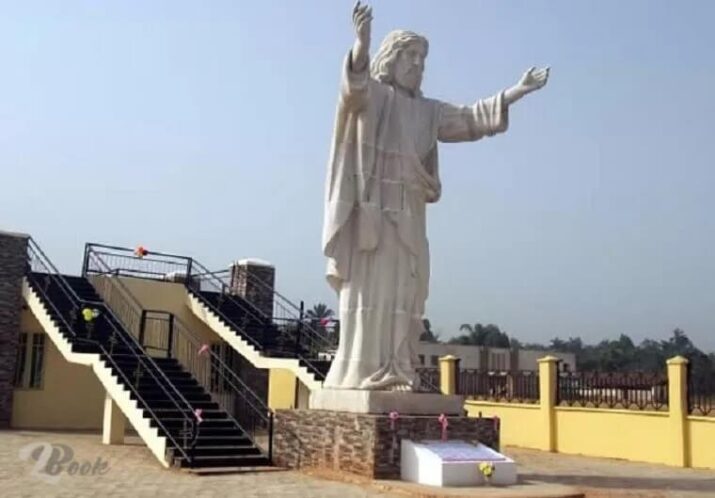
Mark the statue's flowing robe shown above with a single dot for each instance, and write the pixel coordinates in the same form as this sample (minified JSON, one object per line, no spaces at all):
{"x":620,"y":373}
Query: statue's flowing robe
{"x":383,"y":169}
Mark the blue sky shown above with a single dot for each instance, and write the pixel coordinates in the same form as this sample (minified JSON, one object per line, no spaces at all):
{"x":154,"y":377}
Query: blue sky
{"x":203,"y":128}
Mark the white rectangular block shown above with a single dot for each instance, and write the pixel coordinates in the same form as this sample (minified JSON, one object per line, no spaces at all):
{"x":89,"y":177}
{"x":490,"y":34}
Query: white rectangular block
{"x":453,"y":463}
{"x":405,"y":403}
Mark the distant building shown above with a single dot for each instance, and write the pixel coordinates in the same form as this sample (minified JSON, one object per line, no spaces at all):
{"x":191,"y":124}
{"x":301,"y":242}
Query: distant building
{"x":486,"y":358}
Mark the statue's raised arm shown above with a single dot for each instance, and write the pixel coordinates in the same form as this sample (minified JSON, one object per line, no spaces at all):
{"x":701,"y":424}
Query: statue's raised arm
{"x":362,"y":21}
{"x":532,"y":80}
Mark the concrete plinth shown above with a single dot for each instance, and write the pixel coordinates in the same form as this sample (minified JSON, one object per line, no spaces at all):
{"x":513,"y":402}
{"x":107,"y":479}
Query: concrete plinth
{"x":382,"y":402}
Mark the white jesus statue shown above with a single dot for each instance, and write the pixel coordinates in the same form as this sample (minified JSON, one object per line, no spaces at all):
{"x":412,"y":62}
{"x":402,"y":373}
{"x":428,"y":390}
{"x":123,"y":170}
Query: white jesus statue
{"x":383,"y":171}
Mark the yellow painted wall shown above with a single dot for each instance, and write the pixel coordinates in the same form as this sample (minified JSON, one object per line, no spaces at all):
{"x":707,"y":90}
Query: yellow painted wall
{"x":71,"y":396}
{"x":701,"y":441}
{"x":171,"y":297}
{"x":670,"y":437}
{"x":631,"y":435}
{"x":281,"y":389}
{"x":521,"y":425}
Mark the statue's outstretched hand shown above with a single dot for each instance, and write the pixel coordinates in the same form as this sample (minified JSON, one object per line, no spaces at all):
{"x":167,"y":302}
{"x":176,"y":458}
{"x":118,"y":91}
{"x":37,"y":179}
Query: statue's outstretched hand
{"x":362,"y":19}
{"x":533,"y":79}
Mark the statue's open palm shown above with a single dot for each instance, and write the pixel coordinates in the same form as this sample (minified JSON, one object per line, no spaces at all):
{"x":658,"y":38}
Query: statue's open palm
{"x":533,"y":79}
{"x":362,"y":20}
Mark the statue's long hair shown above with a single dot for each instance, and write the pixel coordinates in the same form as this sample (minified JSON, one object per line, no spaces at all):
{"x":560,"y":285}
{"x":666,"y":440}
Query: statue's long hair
{"x":382,"y":67}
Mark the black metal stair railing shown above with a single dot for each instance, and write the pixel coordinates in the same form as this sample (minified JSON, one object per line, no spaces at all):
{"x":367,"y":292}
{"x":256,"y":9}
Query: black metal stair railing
{"x":167,"y":335}
{"x":295,"y":333}
{"x":287,"y":334}
{"x":40,"y":264}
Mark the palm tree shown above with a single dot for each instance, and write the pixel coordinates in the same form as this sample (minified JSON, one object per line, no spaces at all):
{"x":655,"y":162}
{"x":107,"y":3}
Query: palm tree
{"x":319,"y":312}
{"x":319,"y":317}
{"x":428,"y":335}
{"x":482,"y":335}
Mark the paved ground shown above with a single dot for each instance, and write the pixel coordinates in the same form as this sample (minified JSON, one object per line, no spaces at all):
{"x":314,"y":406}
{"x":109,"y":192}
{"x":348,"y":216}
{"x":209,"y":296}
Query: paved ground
{"x":603,"y":477}
{"x":130,"y":470}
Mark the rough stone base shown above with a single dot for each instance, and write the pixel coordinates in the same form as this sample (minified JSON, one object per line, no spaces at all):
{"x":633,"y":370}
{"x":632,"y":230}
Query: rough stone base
{"x":365,"y":401}
{"x":363,"y":444}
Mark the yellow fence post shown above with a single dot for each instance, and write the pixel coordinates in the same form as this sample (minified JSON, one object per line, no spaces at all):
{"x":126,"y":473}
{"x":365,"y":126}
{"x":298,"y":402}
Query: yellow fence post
{"x":448,"y":374}
{"x":678,"y":410}
{"x":548,"y":372}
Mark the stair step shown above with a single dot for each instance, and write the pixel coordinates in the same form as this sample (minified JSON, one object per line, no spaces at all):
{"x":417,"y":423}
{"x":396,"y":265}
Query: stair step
{"x":154,"y":397}
{"x":223,"y":461}
{"x":206,"y":424}
{"x":206,"y":440}
{"x":158,"y":404}
{"x":152,"y":386}
{"x":206,"y":431}
{"x":206,"y":414}
{"x":248,"y":449}
{"x":180,"y":383}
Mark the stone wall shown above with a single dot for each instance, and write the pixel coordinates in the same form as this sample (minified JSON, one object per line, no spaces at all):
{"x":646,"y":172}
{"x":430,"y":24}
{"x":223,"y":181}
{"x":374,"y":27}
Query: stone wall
{"x":13,"y":258}
{"x":363,"y":444}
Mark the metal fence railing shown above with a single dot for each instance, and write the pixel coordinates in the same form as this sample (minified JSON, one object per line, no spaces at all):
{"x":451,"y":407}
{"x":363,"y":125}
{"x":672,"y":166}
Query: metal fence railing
{"x":625,"y":390}
{"x":429,"y":379}
{"x":511,"y":387}
{"x":701,"y":393}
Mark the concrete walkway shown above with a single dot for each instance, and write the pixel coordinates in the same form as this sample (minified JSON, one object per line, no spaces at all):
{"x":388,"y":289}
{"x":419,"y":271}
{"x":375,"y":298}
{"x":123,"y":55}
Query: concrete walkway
{"x":132,"y":471}
{"x":604,"y":477}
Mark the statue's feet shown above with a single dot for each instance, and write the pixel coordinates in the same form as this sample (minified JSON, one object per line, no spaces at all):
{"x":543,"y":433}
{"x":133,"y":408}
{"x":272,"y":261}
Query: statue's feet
{"x":400,"y":388}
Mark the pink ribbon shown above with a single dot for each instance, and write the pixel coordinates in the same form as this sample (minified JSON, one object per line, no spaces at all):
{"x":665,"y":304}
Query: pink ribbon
{"x":203,"y":349}
{"x":444,"y":423}
{"x":393,"y":417}
{"x":197,"y":413}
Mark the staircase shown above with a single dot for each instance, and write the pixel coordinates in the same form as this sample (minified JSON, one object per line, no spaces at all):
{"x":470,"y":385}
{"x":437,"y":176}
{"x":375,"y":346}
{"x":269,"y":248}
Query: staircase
{"x":254,"y":338}
{"x":157,"y":395}
{"x":267,"y":342}
{"x":258,"y":330}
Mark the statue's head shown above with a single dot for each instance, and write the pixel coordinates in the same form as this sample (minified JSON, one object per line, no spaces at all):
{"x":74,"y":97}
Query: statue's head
{"x":400,"y":61}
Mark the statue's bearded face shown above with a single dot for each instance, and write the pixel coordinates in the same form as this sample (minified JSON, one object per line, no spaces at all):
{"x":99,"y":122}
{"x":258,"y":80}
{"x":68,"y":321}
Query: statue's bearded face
{"x":409,"y":66}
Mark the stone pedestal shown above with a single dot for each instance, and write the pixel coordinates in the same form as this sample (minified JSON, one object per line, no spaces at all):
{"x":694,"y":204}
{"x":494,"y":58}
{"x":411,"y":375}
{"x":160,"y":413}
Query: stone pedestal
{"x":384,"y":402}
{"x":361,"y":443}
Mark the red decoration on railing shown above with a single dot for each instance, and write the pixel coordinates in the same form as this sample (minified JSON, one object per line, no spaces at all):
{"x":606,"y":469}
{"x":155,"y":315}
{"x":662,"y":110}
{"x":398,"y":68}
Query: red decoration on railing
{"x":140,"y":252}
{"x":393,"y":418}
{"x":197,"y":413}
{"x":203,"y":349}
{"x":444,"y":423}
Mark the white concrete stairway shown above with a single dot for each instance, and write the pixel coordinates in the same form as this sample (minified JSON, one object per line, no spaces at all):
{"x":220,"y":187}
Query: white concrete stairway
{"x":249,"y":349}
{"x":156,"y":443}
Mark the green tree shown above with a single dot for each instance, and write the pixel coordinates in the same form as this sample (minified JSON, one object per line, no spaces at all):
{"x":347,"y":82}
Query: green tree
{"x":319,"y":311}
{"x":482,"y":335}
{"x":428,"y":335}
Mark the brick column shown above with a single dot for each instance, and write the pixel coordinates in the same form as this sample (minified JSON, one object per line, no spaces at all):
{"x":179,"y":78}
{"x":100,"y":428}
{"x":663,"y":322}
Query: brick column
{"x":13,"y":258}
{"x":245,"y":277}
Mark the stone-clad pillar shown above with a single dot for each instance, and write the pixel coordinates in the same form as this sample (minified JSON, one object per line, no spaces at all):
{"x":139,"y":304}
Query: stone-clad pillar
{"x":13,"y":258}
{"x":246,"y":278}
